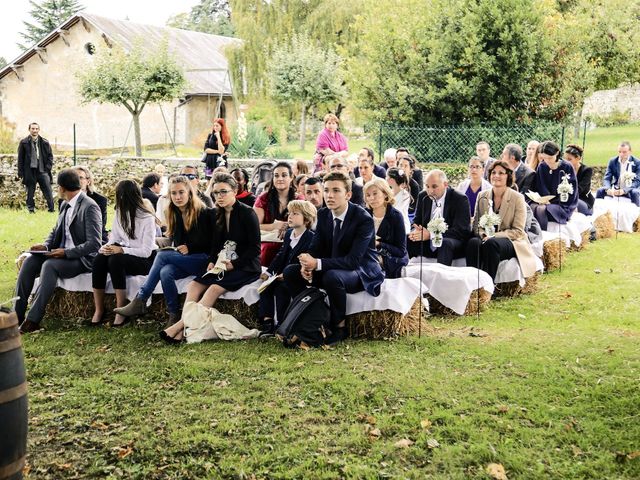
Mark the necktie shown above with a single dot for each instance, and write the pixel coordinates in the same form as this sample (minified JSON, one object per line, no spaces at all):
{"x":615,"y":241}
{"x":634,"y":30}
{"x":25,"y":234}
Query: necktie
{"x":63,"y":224}
{"x":336,"y":231}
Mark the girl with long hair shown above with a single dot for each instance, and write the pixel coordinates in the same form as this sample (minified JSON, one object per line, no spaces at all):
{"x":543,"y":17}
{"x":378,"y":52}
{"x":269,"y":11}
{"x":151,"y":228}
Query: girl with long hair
{"x":237,"y":233}
{"x":271,"y":208}
{"x":399,"y":183}
{"x":129,"y":251}
{"x":215,"y":147}
{"x":190,"y":225}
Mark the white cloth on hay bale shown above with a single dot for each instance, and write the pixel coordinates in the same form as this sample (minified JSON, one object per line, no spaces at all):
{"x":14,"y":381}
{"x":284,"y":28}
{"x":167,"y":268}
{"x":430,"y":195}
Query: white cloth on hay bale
{"x":451,"y":286}
{"x":82,"y":283}
{"x":623,"y":211}
{"x":571,"y":232}
{"x":205,"y":323}
{"x":396,"y":294}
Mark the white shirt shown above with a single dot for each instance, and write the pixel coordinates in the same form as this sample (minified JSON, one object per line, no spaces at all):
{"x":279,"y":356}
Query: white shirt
{"x":67,"y":239}
{"x":340,"y":217}
{"x":403,"y":200}
{"x":295,"y":240}
{"x":144,"y":243}
{"x":438,"y":205}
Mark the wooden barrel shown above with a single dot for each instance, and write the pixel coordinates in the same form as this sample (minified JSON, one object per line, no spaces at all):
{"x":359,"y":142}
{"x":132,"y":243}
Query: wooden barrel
{"x":13,"y":399}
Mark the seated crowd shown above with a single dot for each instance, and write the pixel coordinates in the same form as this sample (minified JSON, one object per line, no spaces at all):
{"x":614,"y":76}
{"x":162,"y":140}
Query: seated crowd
{"x":344,"y":228}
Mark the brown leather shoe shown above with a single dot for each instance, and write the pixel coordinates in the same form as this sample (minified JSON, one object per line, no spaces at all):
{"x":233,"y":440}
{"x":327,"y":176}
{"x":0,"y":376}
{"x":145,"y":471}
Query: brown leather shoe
{"x":28,"y":326}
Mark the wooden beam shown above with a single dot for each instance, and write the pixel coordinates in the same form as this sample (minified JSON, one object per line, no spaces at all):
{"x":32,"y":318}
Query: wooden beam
{"x":85,"y":24}
{"x":107,"y":40}
{"x":63,"y":35}
{"x":16,"y":69}
{"x":42,"y":53}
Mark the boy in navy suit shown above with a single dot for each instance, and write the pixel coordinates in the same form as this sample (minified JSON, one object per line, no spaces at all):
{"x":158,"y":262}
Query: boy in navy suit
{"x":297,"y":239}
{"x":614,"y":185}
{"x":342,"y":257}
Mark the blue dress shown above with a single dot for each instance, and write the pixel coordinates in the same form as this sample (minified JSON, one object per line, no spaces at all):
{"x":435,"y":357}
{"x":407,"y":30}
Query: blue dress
{"x":547,"y":181}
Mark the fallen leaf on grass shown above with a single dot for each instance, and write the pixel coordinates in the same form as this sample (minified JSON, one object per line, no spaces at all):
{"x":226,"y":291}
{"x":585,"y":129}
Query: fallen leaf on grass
{"x":623,"y":457}
{"x":503,"y":409}
{"x":610,"y":350}
{"x":104,"y":348}
{"x":433,"y":443}
{"x":221,"y":383}
{"x":124,"y":452}
{"x":567,"y":295}
{"x":404,"y":443}
{"x":426,"y":423}
{"x":577,"y":451}
{"x":476,"y":334}
{"x":521,"y":316}
{"x":496,"y":471}
{"x":373,"y":432}
{"x":597,"y":270}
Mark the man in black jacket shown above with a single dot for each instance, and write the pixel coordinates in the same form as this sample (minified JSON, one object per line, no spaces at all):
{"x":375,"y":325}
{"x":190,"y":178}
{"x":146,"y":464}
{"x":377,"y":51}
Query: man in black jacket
{"x":440,"y":200}
{"x":523,"y":176}
{"x":35,"y":161}
{"x":151,"y":188}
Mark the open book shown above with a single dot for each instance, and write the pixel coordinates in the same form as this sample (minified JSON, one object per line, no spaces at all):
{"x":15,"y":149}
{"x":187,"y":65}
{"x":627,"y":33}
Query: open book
{"x":536,"y":197}
{"x":271,"y":236}
{"x":263,"y":286}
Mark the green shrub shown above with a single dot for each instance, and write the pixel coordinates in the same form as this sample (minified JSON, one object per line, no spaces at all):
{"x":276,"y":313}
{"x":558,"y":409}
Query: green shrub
{"x":614,"y":119}
{"x":7,"y":136}
{"x":254,"y":146}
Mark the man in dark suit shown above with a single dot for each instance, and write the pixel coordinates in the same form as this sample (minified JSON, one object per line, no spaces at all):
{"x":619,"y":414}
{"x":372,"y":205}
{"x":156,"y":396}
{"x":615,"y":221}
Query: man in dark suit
{"x":614,"y":185}
{"x":339,"y":164}
{"x":67,"y":252}
{"x":342,"y":258}
{"x":151,"y":186}
{"x":524,"y":176}
{"x":440,"y":200}
{"x":35,"y":161}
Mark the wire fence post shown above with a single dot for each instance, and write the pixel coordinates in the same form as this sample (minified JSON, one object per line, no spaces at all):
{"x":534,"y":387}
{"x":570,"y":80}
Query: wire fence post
{"x":380,"y":141}
{"x":74,"y":146}
{"x":562,"y":141}
{"x":584,"y":135}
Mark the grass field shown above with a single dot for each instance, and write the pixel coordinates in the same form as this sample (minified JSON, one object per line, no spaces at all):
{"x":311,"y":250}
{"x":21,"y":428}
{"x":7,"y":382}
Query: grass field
{"x":602,"y":143}
{"x":546,"y":385}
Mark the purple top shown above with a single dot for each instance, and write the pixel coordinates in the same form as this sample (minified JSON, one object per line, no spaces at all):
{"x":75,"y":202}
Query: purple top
{"x":337,"y":142}
{"x":472,"y":197}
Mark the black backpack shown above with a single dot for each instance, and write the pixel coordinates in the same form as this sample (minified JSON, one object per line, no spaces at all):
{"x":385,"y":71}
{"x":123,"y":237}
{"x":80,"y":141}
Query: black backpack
{"x":306,"y":321}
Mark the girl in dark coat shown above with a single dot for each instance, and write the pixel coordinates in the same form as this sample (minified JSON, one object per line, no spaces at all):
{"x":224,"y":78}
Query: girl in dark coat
{"x":573,"y":154}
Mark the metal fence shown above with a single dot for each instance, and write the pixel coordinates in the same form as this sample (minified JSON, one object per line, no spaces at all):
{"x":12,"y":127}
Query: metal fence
{"x":456,"y":143}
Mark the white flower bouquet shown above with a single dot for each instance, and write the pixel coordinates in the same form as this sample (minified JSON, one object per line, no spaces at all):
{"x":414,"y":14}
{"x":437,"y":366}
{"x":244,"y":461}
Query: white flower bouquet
{"x":565,"y":188}
{"x":437,"y":226}
{"x":489,"y":221}
{"x":627,"y":178}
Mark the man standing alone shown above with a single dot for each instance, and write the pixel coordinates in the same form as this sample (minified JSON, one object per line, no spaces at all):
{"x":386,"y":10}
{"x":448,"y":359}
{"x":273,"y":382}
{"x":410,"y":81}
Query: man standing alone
{"x":35,"y":161}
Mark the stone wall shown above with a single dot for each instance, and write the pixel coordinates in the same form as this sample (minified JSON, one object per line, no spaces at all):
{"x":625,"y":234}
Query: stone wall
{"x":107,"y":171}
{"x":605,"y":102}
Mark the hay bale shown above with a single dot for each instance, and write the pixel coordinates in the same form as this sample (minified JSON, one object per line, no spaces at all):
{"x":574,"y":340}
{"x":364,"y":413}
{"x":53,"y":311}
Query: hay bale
{"x":513,"y":289}
{"x":247,"y":315}
{"x":436,"y":308}
{"x":67,"y":305}
{"x":636,"y":225}
{"x":604,"y":225}
{"x":385,"y":324}
{"x":553,"y":254}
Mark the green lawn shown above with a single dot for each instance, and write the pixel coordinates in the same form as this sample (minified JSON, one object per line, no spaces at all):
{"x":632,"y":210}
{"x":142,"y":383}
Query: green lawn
{"x":602,"y":143}
{"x":545,"y":384}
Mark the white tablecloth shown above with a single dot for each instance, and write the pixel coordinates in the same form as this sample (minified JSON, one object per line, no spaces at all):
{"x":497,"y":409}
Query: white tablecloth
{"x":570,"y":232}
{"x":623,"y":211}
{"x":396,"y":294}
{"x":451,"y":286}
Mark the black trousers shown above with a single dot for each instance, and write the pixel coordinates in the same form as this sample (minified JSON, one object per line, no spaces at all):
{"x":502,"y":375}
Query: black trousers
{"x":491,"y":251}
{"x":450,"y":249}
{"x":42,"y":179}
{"x":337,"y":283}
{"x":118,"y":266}
{"x":274,"y":300}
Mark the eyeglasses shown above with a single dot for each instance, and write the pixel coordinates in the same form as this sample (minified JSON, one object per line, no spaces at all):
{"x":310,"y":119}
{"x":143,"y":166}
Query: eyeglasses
{"x":190,"y":176}
{"x":220,"y":193}
{"x":475,"y":167}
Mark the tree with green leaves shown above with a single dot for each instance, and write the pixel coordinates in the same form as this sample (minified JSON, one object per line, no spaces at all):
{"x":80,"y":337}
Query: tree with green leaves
{"x":133,"y":80}
{"x":209,"y":16}
{"x":46,"y":16}
{"x":305,"y":75}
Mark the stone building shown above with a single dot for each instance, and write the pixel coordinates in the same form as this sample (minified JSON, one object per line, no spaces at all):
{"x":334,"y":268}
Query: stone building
{"x":40,"y":85}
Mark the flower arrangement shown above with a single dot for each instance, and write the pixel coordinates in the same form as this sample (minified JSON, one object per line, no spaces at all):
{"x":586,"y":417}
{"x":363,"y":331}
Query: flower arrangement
{"x":437,"y":226}
{"x":628,"y":177}
{"x":565,"y":188}
{"x":490,"y":221}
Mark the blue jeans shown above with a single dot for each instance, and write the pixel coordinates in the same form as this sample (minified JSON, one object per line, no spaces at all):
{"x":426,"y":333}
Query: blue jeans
{"x":168,"y":267}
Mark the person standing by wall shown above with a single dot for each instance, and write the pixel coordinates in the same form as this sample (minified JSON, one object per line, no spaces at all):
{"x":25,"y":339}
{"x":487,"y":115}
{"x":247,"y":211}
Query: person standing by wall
{"x":35,"y":161}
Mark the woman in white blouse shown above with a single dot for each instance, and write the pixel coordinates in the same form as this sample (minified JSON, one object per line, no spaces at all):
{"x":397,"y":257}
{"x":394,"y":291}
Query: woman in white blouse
{"x":398,"y":181}
{"x":130,"y":249}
